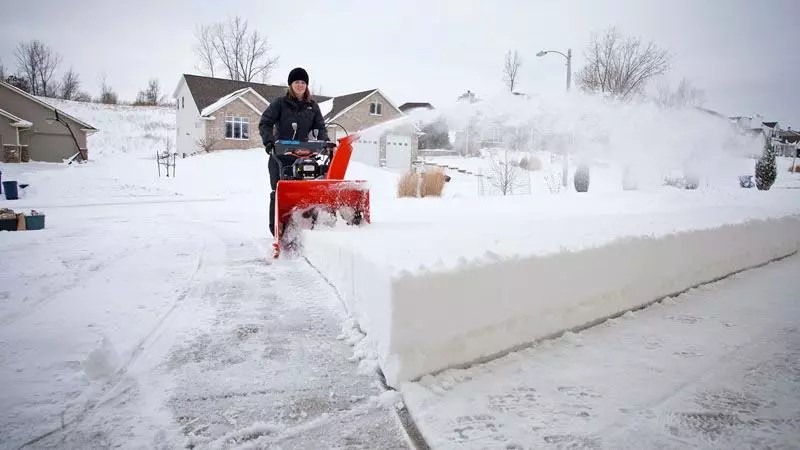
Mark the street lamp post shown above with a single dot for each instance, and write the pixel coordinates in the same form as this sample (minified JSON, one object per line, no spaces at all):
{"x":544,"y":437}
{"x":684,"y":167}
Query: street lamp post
{"x":568,"y":57}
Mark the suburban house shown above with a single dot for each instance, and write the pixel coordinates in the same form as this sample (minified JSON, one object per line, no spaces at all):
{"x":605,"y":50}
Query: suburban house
{"x":785,"y":142}
{"x":31,"y":129}
{"x":220,"y":114}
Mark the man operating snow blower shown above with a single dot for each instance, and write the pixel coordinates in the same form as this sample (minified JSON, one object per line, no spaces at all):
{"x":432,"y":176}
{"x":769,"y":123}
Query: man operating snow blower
{"x":306,"y":174}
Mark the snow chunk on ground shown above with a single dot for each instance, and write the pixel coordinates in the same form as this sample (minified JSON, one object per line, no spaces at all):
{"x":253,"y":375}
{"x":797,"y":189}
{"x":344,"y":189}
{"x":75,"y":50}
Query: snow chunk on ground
{"x":102,"y":362}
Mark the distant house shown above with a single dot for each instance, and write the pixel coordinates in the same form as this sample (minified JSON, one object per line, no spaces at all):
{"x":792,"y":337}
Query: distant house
{"x":392,"y":146}
{"x":29,"y":131}
{"x":787,"y":142}
{"x":218,"y":114}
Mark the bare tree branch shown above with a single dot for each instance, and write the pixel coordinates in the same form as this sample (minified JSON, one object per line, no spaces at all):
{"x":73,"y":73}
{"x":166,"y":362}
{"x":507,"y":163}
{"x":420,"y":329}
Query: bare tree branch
{"x":243,"y":55}
{"x":149,"y":96}
{"x":28,"y":66}
{"x":204,"y":50}
{"x":621,"y":66}
{"x":511,"y":69}
{"x":70,"y":83}
{"x":504,"y":175}
{"x":38,"y":63}
{"x":685,"y":95}
{"x":107,"y":95}
{"x":2,"y":71}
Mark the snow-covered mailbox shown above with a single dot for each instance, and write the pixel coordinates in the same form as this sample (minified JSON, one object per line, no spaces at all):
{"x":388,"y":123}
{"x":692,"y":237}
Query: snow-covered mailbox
{"x":429,"y":299}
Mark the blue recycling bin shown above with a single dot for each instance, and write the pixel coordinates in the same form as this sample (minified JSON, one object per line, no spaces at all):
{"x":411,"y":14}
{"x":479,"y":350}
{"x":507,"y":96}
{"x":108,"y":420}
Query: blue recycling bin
{"x":10,"y":188}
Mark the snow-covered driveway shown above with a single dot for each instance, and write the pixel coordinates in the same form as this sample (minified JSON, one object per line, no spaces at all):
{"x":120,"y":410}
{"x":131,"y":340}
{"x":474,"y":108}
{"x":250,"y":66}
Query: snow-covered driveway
{"x":118,"y":322}
{"x":717,"y":367}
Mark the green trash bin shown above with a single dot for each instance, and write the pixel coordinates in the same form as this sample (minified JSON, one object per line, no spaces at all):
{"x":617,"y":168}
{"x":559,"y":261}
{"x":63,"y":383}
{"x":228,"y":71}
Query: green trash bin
{"x":34,"y":222}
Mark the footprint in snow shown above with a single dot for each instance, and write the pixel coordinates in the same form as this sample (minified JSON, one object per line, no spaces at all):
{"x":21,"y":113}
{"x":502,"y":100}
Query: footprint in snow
{"x":478,"y":427}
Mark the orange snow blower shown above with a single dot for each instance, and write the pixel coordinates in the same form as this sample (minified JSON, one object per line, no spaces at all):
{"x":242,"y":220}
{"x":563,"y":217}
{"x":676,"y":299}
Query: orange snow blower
{"x":313,"y":188}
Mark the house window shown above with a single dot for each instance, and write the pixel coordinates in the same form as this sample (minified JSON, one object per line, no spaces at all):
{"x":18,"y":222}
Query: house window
{"x":375,"y":108}
{"x":237,"y":128}
{"x":183,"y":103}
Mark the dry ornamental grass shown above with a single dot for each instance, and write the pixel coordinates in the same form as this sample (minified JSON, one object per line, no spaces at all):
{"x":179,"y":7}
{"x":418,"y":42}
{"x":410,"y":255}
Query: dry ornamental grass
{"x":428,"y":184}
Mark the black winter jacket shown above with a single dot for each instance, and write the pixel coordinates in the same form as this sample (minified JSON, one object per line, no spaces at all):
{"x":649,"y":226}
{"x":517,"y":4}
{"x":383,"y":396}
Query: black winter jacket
{"x":276,"y":120}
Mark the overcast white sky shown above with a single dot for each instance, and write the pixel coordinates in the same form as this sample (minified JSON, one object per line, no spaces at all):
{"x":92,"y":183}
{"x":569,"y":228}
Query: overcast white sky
{"x":745,"y":54}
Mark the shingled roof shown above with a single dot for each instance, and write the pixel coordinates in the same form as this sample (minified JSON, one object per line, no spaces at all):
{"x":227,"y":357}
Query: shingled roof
{"x":345,"y":101}
{"x":207,"y":90}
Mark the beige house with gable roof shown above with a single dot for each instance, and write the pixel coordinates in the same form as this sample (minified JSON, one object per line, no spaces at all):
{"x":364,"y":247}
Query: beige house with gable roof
{"x":226,"y":113}
{"x":29,"y":130}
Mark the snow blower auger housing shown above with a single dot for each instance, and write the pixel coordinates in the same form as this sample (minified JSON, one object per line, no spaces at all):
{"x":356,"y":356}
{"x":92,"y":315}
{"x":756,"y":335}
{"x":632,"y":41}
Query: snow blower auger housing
{"x":314,"y":184}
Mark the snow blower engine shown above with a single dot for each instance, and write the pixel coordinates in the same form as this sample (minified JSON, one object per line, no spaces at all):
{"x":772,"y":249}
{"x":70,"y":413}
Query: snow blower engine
{"x":315,"y":183}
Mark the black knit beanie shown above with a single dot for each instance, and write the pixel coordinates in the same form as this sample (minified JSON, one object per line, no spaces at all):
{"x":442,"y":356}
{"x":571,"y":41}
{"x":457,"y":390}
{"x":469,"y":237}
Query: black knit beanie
{"x":298,"y":73}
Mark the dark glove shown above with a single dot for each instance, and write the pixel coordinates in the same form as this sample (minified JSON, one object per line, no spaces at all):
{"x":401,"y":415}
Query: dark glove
{"x":330,"y":144}
{"x":269,"y":147}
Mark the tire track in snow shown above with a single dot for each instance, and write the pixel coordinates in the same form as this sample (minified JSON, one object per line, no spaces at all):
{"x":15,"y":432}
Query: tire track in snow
{"x":112,"y":389}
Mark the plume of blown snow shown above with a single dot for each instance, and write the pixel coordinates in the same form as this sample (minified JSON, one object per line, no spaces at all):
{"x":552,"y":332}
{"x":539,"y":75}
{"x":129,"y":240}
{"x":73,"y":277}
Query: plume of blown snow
{"x":646,"y":138}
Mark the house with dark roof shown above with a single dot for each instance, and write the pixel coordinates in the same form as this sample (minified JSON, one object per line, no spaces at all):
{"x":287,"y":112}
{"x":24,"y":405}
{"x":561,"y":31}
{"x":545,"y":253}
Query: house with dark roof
{"x":32,"y":129}
{"x":218,"y":114}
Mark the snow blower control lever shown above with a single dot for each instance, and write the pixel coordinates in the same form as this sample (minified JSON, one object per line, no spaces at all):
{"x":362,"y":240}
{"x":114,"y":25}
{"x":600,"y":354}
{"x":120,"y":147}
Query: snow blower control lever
{"x":313,"y":159}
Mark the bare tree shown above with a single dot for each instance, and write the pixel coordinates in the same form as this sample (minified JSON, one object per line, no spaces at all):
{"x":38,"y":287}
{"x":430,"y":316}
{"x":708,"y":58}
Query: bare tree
{"x":38,"y":63}
{"x":685,"y":95}
{"x":511,"y":69}
{"x":621,"y":66}
{"x":2,"y":71}
{"x":19,"y":82}
{"x":204,"y":50}
{"x":82,"y":96}
{"x":70,"y":83}
{"x":107,"y":95}
{"x":207,"y":144}
{"x":504,"y":175}
{"x":151,"y":95}
{"x":242,"y":54}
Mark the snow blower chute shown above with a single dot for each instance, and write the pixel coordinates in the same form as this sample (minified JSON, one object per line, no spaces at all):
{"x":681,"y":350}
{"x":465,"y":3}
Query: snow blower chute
{"x":313,"y":187}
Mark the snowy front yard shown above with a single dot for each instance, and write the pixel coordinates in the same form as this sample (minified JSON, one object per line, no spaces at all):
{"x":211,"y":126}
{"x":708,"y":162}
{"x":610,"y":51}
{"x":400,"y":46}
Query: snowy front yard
{"x":149,"y":312}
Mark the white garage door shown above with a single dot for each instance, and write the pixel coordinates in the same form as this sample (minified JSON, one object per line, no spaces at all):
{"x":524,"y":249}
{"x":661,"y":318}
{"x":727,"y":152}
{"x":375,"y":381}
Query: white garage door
{"x":366,"y":150}
{"x":398,"y":151}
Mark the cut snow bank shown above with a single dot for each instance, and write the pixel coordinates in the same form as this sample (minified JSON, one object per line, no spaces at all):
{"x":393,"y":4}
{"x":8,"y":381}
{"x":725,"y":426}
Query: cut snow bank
{"x":444,"y":315}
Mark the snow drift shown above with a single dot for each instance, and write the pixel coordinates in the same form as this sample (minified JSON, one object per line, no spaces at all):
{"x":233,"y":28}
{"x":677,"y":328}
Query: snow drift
{"x":425,"y":320}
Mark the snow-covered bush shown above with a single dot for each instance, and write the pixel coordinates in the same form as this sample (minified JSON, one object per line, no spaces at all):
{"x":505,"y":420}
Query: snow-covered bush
{"x":766,"y":170}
